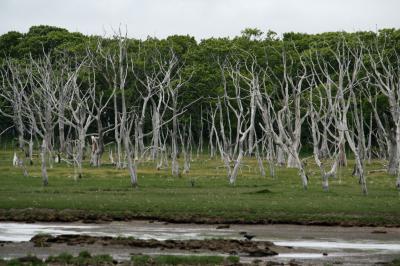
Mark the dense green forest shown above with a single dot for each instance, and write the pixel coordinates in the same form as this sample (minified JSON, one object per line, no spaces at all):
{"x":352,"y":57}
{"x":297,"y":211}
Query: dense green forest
{"x":256,"y":94}
{"x":200,"y":57}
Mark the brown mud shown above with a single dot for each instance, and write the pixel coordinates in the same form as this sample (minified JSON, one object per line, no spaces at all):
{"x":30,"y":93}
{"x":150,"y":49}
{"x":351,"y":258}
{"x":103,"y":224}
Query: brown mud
{"x":32,"y":215}
{"x":227,"y":246}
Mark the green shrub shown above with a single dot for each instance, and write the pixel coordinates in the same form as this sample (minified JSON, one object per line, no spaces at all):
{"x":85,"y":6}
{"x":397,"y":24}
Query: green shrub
{"x":140,"y":259}
{"x":27,"y":260}
{"x":84,"y":254}
{"x":395,"y":262}
{"x":233,"y":259}
{"x":64,"y":257}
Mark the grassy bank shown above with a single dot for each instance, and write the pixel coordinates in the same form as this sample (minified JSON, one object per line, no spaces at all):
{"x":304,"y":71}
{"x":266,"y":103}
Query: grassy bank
{"x":107,"y":191}
{"x":85,"y":258}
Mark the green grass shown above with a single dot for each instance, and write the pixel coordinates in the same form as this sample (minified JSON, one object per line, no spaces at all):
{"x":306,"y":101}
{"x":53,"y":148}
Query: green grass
{"x":83,"y":259}
{"x":107,"y":190}
{"x":181,"y":260}
{"x":28,"y":260}
{"x":395,"y":262}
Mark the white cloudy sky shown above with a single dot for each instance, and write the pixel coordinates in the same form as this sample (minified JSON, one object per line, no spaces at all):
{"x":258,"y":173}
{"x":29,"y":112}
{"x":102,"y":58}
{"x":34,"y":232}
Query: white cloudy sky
{"x":200,"y":18}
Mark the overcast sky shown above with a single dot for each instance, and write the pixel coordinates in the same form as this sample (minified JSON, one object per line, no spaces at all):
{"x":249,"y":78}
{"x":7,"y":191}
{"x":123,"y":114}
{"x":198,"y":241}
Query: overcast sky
{"x":199,"y":18}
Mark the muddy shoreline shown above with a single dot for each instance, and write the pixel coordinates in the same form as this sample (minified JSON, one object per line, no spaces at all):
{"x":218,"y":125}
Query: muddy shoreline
{"x":32,"y":215}
{"x":308,"y":245}
{"x":227,"y":246}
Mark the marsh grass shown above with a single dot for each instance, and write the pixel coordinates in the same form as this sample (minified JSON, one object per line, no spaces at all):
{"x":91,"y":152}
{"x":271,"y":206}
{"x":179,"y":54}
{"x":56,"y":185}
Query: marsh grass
{"x":181,"y":260}
{"x":106,"y":190}
{"x":84,"y":258}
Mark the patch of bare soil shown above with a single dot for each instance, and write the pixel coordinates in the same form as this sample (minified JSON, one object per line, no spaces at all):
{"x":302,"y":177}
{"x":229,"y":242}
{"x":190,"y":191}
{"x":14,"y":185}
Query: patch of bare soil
{"x":228,"y":246}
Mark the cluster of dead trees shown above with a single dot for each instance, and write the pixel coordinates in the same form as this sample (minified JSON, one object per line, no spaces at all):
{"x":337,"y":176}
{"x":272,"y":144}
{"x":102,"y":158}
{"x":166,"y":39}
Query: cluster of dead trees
{"x":57,"y":100}
{"x":261,"y":111}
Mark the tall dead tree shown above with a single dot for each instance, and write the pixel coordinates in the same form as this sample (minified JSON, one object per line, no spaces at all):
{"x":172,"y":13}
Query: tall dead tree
{"x":99,"y":104}
{"x":40,"y":104}
{"x":283,"y":118}
{"x":80,"y":111}
{"x":14,"y":84}
{"x":292,"y":84}
{"x":157,"y":73}
{"x":384,"y":70}
{"x":243,"y":111}
{"x":322,"y":130}
{"x":174,"y":81}
{"x":344,"y":79}
{"x":116,"y":62}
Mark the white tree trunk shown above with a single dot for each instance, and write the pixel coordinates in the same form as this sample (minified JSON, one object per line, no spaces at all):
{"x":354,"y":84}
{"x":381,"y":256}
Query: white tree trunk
{"x":131,"y":165}
{"x":43,"y":154}
{"x":393,"y":154}
{"x":292,"y":161}
{"x":238,"y":161}
{"x":398,"y":151}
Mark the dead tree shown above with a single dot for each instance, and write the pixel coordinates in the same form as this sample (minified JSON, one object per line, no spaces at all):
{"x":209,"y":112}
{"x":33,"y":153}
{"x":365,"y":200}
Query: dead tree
{"x":80,"y":110}
{"x":14,"y":84}
{"x":40,"y":103}
{"x":292,"y":84}
{"x":156,"y":83}
{"x":117,"y":65}
{"x":211,"y":129}
{"x":321,"y":112}
{"x":244,"y":112}
{"x":344,"y":79}
{"x":185,"y":134}
{"x":99,"y":105}
{"x":384,"y":69}
{"x":282,"y":118}
{"x":114,"y":67}
{"x":174,"y":81}
{"x":201,"y":138}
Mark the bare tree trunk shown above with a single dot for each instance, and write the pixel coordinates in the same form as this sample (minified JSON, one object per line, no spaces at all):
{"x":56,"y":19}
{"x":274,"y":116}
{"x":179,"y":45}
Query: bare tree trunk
{"x":131,"y":166}
{"x":80,"y":149}
{"x":292,"y":161}
{"x":136,"y":135}
{"x":271,"y":158}
{"x":237,"y":163}
{"x":324,"y":150}
{"x":211,"y":135}
{"x":393,"y":154}
{"x":398,"y":151}
{"x":200,"y":142}
{"x":260,"y":162}
{"x":117,"y":136}
{"x":31,"y":151}
{"x":156,"y":133}
{"x":280,"y":156}
{"x":368,"y":150}
{"x":61,"y":128}
{"x":100,"y":143}
{"x":43,"y":155}
{"x":174,"y":152}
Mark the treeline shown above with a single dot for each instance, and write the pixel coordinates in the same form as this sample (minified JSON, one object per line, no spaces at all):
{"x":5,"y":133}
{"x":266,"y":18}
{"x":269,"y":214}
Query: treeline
{"x":256,"y":94}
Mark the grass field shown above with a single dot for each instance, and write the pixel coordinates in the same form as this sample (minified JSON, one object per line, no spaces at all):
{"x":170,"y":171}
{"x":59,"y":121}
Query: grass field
{"x":254,"y":198}
{"x":85,"y":258}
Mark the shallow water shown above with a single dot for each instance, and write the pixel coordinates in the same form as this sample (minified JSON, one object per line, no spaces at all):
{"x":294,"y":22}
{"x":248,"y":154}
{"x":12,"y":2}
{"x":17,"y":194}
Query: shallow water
{"x":24,"y":232}
{"x":351,"y":246}
{"x":340,"y":245}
